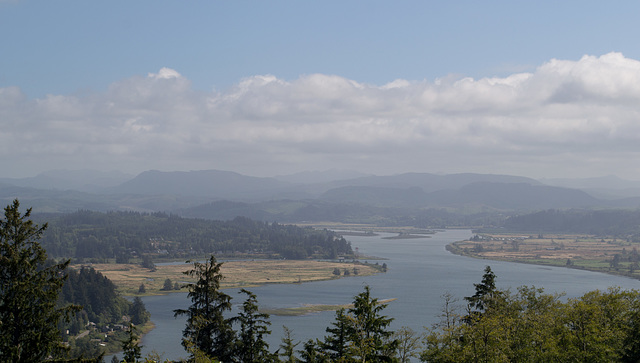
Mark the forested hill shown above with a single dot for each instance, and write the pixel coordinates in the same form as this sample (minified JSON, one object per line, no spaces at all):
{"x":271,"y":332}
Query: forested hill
{"x":123,"y":235}
{"x":622,"y":223}
{"x":103,"y":315}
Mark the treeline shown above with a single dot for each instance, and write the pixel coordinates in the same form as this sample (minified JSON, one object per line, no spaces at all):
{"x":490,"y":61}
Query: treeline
{"x":618,"y":223}
{"x":87,"y":235}
{"x":344,"y":212}
{"x":531,"y":326}
{"x":100,"y":302}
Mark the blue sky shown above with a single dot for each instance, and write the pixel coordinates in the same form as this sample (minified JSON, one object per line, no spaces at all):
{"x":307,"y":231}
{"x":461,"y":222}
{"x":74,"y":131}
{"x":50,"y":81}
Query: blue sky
{"x":273,"y":87}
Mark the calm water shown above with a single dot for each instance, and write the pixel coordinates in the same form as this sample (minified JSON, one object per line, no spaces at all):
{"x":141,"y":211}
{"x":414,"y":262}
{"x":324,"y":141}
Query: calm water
{"x":420,"y":272}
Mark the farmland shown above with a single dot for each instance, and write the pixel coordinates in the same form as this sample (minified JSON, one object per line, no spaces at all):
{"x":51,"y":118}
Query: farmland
{"x":609,"y":255}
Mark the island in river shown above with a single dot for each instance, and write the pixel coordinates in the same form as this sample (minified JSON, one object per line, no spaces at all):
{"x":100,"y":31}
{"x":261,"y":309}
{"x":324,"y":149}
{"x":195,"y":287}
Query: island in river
{"x":247,"y":273}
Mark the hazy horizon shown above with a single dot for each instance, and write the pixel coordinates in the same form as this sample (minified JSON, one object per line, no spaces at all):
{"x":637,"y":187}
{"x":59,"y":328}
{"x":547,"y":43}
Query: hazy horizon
{"x":275,"y":89}
{"x":339,"y":173}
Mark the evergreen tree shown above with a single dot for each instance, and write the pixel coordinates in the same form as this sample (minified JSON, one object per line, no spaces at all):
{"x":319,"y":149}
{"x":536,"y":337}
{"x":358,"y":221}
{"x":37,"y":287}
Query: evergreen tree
{"x":251,"y":346}
{"x":312,"y":353}
{"x":360,"y":334}
{"x":370,"y":341}
{"x":130,"y":347}
{"x":28,"y":291}
{"x":288,"y":346}
{"x":147,"y":262}
{"x":486,"y":291}
{"x":336,"y":344}
{"x":138,"y":312}
{"x":207,"y":330}
{"x":168,"y":285}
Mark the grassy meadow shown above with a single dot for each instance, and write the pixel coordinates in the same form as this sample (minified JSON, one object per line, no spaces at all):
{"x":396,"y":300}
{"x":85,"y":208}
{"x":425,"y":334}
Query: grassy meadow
{"x":609,"y":255}
{"x":129,"y":277}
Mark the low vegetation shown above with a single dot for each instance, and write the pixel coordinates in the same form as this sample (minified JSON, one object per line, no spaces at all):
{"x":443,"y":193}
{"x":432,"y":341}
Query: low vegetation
{"x":602,"y":254}
{"x":129,"y":277}
{"x":313,"y":308}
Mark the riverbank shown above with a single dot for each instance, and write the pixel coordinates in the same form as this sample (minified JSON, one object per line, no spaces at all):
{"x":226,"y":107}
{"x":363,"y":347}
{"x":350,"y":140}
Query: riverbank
{"x":420,"y":272}
{"x":606,"y":255}
{"x":129,"y":278}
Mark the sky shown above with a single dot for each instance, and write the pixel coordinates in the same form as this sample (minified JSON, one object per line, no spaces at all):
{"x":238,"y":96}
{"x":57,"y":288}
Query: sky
{"x":540,"y":89}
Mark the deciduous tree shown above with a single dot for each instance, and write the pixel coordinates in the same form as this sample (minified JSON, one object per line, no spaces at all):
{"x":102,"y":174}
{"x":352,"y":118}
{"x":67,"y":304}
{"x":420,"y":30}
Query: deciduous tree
{"x":408,"y":344}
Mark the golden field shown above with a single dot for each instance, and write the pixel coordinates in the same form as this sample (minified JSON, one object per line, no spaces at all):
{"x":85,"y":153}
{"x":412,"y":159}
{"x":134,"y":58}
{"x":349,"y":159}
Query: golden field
{"x":129,"y":277}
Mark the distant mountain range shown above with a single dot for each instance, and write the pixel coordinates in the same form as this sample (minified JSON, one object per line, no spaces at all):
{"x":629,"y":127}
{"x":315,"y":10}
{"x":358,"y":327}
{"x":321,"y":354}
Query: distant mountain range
{"x":205,"y":183}
{"x":606,"y":187}
{"x":221,"y":194}
{"x":496,"y":195}
{"x":80,"y":180}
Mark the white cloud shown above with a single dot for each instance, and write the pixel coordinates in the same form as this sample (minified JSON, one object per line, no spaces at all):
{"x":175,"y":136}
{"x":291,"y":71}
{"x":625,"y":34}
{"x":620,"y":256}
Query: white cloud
{"x":165,"y":73}
{"x":565,"y":118}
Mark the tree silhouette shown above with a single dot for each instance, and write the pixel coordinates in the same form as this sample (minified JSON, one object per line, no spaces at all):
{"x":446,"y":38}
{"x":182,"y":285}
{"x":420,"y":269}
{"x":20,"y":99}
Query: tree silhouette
{"x":207,"y":330}
{"x":29,"y":291}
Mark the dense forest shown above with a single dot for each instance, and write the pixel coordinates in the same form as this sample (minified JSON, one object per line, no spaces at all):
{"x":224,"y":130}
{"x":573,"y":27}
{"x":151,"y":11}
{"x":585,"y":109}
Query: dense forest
{"x":615,"y":223}
{"x":87,"y":235}
{"x":346,"y":212}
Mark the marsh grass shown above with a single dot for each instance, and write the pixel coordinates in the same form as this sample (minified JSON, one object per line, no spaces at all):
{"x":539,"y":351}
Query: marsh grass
{"x":312,"y":308}
{"x":129,"y":277}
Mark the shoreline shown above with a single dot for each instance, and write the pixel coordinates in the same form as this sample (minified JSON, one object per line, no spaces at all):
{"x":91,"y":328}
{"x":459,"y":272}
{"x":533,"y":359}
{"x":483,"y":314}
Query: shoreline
{"x":325,"y":268}
{"x":589,"y":253}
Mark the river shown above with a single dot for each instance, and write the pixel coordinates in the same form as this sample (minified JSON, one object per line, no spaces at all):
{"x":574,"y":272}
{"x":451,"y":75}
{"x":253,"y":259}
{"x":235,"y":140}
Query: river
{"x":420,"y":272}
